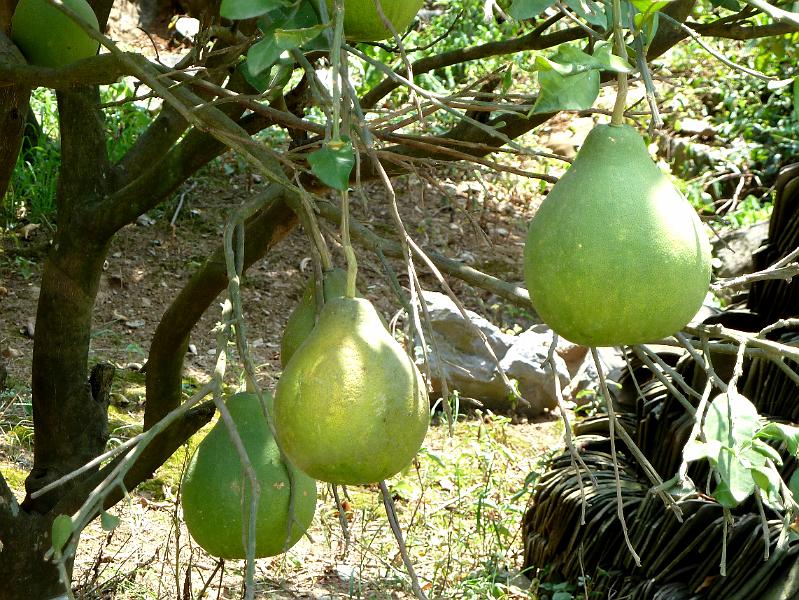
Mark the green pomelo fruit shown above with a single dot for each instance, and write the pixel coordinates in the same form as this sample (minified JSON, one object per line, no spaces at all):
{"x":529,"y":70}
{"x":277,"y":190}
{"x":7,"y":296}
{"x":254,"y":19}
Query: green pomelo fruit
{"x":215,"y":494}
{"x":303,"y":317}
{"x":351,"y":407}
{"x":49,"y":38}
{"x":615,"y":255}
{"x":362,"y":23}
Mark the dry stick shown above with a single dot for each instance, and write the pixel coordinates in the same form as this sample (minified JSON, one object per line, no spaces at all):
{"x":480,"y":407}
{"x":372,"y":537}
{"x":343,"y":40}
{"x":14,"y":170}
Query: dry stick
{"x":646,"y":76}
{"x":715,"y":53}
{"x":388,"y":502}
{"x":439,"y":366}
{"x":88,"y":466}
{"x":665,"y":368}
{"x":434,"y":98}
{"x":763,"y":523}
{"x":658,"y":485}
{"x":696,"y":428}
{"x":403,"y":55}
{"x":416,"y":292}
{"x":657,"y":372}
{"x":94,"y":502}
{"x":787,"y":272}
{"x":612,"y":432}
{"x":342,"y":518}
{"x":233,"y":261}
{"x":234,"y":266}
{"x":462,"y":309}
{"x":705,"y":365}
{"x":576,"y":460}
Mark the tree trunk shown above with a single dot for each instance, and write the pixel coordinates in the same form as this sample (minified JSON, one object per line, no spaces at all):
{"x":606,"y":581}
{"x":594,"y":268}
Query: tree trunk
{"x":24,"y":572}
{"x":13,"y":110}
{"x":70,"y":423}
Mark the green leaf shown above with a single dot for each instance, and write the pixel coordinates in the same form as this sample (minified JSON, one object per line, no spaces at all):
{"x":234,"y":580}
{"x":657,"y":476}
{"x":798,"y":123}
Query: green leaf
{"x":697,"y":450}
{"x":573,"y":92}
{"x":736,"y":478}
{"x":650,"y":6}
{"x":606,"y":60}
{"x":591,"y":11}
{"x":294,"y":38}
{"x":262,"y":55}
{"x":333,"y":165}
{"x":763,"y":449}
{"x":247,"y":9}
{"x":108,"y":521}
{"x":570,"y":60}
{"x":793,"y":485}
{"x":527,"y":9}
{"x":61,"y":532}
{"x":766,"y":478}
{"x":785,"y":433}
{"x":732,"y":5}
{"x":731,"y":419}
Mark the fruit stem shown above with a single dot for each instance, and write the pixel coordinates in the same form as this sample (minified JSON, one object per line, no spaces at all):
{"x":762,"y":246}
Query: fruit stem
{"x":621,"y":50}
{"x":352,"y":261}
{"x":312,"y":226}
{"x":335,"y":63}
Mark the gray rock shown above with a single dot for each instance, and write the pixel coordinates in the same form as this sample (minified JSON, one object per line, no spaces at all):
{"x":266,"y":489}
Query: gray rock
{"x":585,"y":385}
{"x":526,"y":362}
{"x":734,"y":249}
{"x":462,"y":355}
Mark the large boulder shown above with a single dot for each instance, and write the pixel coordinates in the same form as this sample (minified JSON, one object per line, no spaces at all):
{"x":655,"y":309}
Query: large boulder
{"x":527,"y":362}
{"x":469,"y":368}
{"x":462,"y":357}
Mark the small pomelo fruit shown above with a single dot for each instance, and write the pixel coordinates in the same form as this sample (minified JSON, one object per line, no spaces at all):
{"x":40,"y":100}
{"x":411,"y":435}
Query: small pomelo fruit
{"x":215,"y":493}
{"x":303,"y":317}
{"x":49,"y":38}
{"x":350,"y":407}
{"x":615,"y":254}
{"x":362,"y":22}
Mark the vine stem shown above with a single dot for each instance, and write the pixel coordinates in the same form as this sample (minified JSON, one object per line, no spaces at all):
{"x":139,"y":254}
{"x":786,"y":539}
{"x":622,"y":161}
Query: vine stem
{"x":621,"y":50}
{"x":391,"y":513}
{"x":612,"y":434}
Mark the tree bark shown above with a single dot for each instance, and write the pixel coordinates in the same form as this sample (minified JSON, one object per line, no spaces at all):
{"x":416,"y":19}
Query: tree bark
{"x":70,"y":423}
{"x":24,"y":572}
{"x":13,"y":111}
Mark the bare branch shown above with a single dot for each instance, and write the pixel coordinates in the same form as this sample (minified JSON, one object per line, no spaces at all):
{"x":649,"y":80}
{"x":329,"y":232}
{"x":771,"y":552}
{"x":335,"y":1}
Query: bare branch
{"x":100,"y":69}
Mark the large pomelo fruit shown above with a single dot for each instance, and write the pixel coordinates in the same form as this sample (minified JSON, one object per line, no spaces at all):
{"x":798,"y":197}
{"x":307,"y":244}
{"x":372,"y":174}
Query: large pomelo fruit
{"x":215,"y":493}
{"x":48,"y":37}
{"x":303,"y":317}
{"x":615,"y":255}
{"x":362,"y":23}
{"x":350,"y":407}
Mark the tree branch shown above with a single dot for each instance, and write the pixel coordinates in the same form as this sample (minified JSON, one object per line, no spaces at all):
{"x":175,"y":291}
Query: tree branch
{"x":13,"y":111}
{"x":531,"y":41}
{"x":742,"y":31}
{"x":8,"y":503}
{"x":100,"y":69}
{"x":168,"y":347}
{"x":7,"y":8}
{"x":512,"y":293}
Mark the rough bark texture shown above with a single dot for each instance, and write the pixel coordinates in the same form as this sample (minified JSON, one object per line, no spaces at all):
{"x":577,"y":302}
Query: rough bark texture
{"x":70,"y":423}
{"x":23,"y":571}
{"x":6,"y":10}
{"x":13,"y":110}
